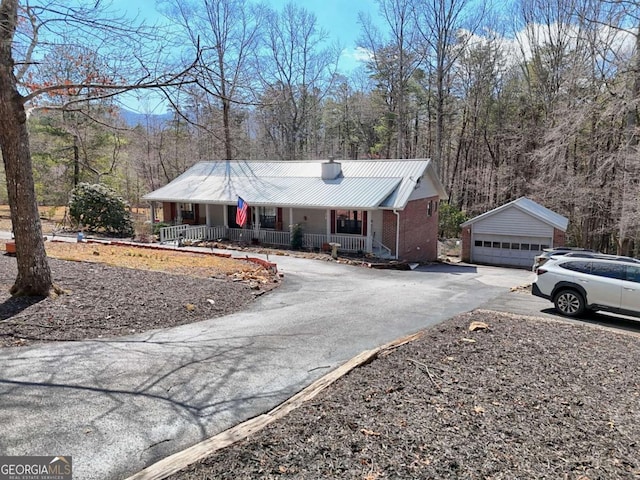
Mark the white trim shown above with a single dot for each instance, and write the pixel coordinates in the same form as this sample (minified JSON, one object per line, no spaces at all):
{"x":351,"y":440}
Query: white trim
{"x":530,"y":207}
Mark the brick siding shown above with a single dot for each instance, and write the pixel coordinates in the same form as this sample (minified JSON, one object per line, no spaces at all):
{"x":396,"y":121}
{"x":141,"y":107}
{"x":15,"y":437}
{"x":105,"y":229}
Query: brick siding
{"x":558,"y":238}
{"x":168,"y":212}
{"x":419,"y":231}
{"x":389,"y":229}
{"x":465,"y":255}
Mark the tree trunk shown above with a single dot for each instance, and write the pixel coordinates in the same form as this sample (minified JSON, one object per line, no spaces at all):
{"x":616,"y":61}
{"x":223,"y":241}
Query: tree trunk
{"x":34,"y":275}
{"x":76,"y":162}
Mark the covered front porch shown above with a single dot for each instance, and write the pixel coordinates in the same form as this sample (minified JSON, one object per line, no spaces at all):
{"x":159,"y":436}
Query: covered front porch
{"x":355,"y":231}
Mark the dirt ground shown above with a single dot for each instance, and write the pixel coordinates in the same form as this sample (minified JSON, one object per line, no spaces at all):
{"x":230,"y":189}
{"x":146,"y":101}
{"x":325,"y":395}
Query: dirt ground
{"x":103,"y":298}
{"x":525,"y":399}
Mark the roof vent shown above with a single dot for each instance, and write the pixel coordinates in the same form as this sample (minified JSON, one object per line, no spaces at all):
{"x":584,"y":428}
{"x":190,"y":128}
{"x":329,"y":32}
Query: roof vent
{"x":331,"y":170}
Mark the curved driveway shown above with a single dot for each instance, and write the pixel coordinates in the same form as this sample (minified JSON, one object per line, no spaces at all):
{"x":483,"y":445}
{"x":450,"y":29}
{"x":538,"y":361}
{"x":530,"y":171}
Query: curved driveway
{"x":119,"y":405}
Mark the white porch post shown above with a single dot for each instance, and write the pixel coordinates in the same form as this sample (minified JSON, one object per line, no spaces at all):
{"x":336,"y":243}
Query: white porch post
{"x":369,"y":246}
{"x":225,"y":215}
{"x":209,"y":214}
{"x":256,"y":221}
{"x":328,"y":225}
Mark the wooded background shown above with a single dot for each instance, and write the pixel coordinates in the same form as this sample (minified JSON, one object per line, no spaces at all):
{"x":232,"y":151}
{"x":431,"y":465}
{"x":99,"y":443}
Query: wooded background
{"x":536,"y":98}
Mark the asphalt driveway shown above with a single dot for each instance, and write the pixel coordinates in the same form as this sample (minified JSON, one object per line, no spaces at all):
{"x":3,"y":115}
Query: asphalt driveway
{"x":119,"y":405}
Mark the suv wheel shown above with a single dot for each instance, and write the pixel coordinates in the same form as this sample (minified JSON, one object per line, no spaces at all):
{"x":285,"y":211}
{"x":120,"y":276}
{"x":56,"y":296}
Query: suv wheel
{"x":569,"y":303}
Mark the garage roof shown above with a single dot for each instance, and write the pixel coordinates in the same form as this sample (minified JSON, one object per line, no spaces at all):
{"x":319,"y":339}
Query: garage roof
{"x":528,"y":206}
{"x":362,"y":184}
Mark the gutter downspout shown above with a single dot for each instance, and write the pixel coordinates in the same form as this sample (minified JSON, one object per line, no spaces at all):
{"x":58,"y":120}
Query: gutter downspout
{"x":397,"y":233}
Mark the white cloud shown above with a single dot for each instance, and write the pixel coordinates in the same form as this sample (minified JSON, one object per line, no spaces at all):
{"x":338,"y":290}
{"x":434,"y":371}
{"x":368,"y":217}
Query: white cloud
{"x":351,"y":58}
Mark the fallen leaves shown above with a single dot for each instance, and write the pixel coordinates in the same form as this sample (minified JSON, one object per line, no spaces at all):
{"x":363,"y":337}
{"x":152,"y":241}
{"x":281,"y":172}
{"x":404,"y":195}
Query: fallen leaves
{"x":474,"y":326}
{"x":181,"y":262}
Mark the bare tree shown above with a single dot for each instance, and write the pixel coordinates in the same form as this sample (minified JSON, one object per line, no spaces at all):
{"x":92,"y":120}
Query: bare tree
{"x":27,"y":30}
{"x":394,"y":60}
{"x":296,"y":68}
{"x":227,"y":33}
{"x":446,"y":27}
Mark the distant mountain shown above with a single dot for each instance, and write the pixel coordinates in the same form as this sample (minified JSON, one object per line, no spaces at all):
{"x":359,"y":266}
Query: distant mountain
{"x":133,"y":119}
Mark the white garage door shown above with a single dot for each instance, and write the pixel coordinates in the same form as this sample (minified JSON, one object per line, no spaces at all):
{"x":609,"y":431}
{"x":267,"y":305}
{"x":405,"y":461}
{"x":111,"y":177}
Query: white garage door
{"x":507,"y":250}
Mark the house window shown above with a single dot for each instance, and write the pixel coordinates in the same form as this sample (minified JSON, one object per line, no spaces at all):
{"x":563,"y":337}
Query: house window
{"x":349,"y":221}
{"x":186,"y":211}
{"x":268,"y":217}
{"x":478,"y":243}
{"x":429,"y":208}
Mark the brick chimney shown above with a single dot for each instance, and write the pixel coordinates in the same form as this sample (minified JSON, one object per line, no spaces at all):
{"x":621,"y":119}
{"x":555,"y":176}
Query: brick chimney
{"x":331,"y":170}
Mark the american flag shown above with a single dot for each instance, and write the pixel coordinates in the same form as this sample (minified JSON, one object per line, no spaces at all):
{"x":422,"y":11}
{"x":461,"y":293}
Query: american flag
{"x":241,"y":212}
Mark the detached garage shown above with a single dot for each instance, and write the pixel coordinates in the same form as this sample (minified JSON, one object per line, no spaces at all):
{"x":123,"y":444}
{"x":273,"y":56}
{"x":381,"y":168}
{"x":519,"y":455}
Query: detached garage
{"x":513,"y":234}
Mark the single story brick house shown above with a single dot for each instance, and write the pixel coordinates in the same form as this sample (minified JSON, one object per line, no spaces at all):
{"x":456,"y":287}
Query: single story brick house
{"x":385,"y":207}
{"x":512,"y":234}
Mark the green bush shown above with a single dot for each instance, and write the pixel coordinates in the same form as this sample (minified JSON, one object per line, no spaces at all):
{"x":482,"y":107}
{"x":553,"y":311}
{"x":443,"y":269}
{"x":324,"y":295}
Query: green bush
{"x":450,"y":218}
{"x":99,"y":208}
{"x":297,"y":237}
{"x":158,"y":226}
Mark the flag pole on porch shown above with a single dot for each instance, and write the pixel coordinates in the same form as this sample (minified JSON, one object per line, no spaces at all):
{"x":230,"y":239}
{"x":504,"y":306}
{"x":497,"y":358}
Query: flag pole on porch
{"x":241,"y":212}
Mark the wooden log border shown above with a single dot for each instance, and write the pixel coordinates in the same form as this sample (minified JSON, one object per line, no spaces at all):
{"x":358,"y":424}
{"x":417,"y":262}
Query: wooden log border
{"x":176,"y":462}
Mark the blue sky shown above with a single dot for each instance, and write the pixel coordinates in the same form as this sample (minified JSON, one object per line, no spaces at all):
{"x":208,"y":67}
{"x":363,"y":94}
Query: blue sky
{"x":338,"y":17}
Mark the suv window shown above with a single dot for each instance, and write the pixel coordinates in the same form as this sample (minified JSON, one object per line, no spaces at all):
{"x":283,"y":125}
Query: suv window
{"x":633,"y":274}
{"x":583,"y":267}
{"x":608,"y":270}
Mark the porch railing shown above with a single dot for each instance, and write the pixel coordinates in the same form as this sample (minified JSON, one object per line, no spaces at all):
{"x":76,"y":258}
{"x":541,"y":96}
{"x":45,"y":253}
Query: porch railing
{"x":348,"y":243}
{"x":268,"y":237}
{"x":217,"y":233}
{"x":313,"y":240}
{"x":168,"y":234}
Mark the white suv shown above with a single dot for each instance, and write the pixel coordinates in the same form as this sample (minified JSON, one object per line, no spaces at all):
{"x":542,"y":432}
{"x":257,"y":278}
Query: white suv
{"x":575,"y":285}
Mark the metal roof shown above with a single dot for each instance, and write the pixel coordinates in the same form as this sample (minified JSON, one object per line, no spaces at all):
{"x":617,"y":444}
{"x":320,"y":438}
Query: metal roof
{"x":532,"y":208}
{"x":363,"y":184}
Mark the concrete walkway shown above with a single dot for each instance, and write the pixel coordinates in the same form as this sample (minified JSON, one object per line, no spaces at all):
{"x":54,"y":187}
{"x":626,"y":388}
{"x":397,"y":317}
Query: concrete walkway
{"x":119,"y":405}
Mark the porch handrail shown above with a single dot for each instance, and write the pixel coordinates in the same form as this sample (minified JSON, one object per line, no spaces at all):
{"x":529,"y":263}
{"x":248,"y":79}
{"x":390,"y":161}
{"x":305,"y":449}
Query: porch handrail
{"x":377,"y":243}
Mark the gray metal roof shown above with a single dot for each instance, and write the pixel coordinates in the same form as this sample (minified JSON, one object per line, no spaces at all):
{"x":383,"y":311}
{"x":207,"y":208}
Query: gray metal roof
{"x":529,"y":206}
{"x":362,"y":185}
